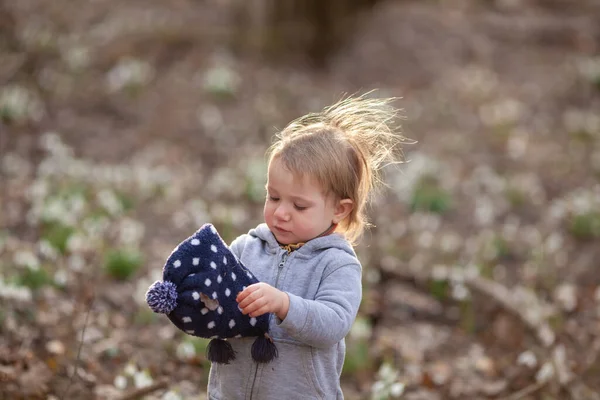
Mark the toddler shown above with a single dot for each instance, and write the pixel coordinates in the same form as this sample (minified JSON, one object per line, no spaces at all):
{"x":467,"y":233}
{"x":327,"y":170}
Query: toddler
{"x":322,"y":169}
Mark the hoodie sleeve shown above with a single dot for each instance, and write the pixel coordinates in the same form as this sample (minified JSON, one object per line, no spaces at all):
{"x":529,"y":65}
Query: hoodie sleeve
{"x":327,"y":319}
{"x":237,"y":246}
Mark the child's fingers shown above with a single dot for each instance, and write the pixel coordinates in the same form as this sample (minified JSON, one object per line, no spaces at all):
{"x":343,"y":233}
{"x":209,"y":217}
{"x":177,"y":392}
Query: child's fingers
{"x":246,"y":292}
{"x":257,"y":295}
{"x":254,"y":305}
{"x":262,"y":310}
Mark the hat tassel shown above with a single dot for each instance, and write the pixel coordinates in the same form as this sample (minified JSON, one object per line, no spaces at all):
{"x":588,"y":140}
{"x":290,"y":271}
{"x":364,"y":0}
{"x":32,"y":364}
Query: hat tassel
{"x":263,"y":349}
{"x":220,"y":351}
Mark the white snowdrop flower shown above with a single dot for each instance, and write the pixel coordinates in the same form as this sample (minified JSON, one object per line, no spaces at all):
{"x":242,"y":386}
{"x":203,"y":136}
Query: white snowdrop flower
{"x":545,"y":373}
{"x":528,"y":359}
{"x":171,"y":395}
{"x":377,"y":389}
{"x":77,"y":243}
{"x":26,"y":258}
{"x":76,"y":262}
{"x":185,"y":351}
{"x":440,"y":272}
{"x":210,"y":118}
{"x":450,"y":242}
{"x":517,"y":144}
{"x":501,"y":112}
{"x":566,"y":295}
{"x":14,"y":165}
{"x":130,"y":369}
{"x":19,"y":293}
{"x":120,"y":382}
{"x":553,"y":242}
{"x":129,"y":72}
{"x":142,"y":379}
{"x":46,"y":250}
{"x":131,"y":231}
{"x":361,"y":329}
{"x":459,"y":292}
{"x":20,"y":104}
{"x":109,"y":201}
{"x":397,"y":389}
{"x":590,"y":68}
{"x":76,"y":57}
{"x":425,"y":240}
{"x":484,"y":211}
{"x":61,"y":277}
{"x":531,"y":235}
{"x":221,"y":79}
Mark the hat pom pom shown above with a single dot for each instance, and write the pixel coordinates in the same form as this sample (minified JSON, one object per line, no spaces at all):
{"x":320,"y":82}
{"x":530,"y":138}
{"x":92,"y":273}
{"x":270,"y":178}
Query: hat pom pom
{"x":162,"y":297}
{"x":220,"y":351}
{"x":263,"y":349}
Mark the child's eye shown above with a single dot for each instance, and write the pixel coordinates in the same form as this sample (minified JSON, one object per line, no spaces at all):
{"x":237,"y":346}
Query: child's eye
{"x":299,"y":208}
{"x":272,"y":198}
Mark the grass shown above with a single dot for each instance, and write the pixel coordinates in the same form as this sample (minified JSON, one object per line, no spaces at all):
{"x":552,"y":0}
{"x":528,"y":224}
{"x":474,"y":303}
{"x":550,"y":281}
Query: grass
{"x":121,"y":264}
{"x":57,"y":235}
{"x":429,"y":196}
{"x":585,"y":226}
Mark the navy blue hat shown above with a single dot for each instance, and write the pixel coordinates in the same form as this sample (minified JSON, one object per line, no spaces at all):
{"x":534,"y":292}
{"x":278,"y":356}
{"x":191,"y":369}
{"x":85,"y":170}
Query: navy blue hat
{"x":201,"y":280}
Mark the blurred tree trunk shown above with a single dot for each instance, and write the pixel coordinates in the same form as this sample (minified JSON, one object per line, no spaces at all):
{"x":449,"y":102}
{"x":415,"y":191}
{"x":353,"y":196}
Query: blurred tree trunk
{"x":310,"y":30}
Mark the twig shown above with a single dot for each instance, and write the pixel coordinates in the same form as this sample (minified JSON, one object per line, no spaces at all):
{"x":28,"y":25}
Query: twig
{"x":503,"y":296}
{"x":134,"y":394}
{"x":85,"y":322}
{"x":525,"y":391}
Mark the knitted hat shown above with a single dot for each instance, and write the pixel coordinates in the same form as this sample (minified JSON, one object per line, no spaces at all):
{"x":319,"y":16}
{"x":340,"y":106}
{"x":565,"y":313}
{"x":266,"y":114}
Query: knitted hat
{"x":201,"y":280}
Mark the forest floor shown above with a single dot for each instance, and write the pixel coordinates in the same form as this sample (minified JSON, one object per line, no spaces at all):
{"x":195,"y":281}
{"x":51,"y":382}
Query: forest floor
{"x":127,"y":125}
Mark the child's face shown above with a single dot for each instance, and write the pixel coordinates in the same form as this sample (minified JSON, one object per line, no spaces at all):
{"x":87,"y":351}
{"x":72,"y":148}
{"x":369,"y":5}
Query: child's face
{"x":296,"y":209}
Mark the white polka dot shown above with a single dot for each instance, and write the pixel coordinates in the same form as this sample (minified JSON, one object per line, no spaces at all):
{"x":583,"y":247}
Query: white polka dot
{"x":231,"y":324}
{"x":239,"y":308}
{"x":186,"y":320}
{"x":195,"y":242}
{"x":220,"y":310}
{"x":190,"y":331}
{"x":233,"y":276}
{"x":213,"y":248}
{"x":224,"y":260}
{"x":219,"y":279}
{"x":227,"y":292}
{"x":196,"y":295}
{"x":195,"y":261}
{"x":207,"y":282}
{"x":252,"y":321}
{"x":249,"y":275}
{"x":204,"y":311}
{"x":238,"y":336}
{"x":177,"y":263}
{"x":214,"y":295}
{"x":213,"y":229}
{"x":191,"y":275}
{"x":211,"y":325}
{"x":243,"y":288}
{"x":214,"y":337}
{"x":213,"y":265}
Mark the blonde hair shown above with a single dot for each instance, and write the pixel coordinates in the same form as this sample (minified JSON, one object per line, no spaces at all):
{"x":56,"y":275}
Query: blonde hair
{"x":344,"y":147}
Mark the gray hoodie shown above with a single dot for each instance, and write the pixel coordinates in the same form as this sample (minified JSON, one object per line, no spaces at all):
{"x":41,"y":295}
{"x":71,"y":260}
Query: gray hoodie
{"x":323,"y":281}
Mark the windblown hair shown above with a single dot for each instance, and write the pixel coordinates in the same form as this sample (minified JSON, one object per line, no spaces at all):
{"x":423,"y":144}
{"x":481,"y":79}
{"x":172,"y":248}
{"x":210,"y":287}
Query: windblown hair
{"x":344,"y":147}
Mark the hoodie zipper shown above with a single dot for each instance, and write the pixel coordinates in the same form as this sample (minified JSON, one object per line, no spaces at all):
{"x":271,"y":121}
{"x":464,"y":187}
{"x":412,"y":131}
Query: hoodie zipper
{"x":281,"y":264}
{"x":279,"y":269}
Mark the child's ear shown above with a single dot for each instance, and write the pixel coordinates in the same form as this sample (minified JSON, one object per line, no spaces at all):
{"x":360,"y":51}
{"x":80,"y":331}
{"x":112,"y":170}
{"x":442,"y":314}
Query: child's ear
{"x":342,"y":210}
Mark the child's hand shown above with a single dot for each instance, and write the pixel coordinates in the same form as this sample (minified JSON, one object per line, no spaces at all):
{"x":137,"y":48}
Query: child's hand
{"x":262,"y":298}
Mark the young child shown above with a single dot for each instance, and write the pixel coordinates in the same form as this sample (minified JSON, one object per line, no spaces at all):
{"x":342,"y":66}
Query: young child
{"x":322,"y":169}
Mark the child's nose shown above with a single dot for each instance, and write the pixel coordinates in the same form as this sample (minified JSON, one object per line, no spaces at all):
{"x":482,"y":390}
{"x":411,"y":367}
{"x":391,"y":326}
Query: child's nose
{"x":281,"y":212}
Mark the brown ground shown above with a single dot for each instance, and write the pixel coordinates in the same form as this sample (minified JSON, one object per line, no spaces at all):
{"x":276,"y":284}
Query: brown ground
{"x":505,"y":121}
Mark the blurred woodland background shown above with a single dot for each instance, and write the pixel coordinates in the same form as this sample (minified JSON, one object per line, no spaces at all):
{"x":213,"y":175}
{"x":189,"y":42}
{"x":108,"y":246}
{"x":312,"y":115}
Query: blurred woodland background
{"x":125,"y":125}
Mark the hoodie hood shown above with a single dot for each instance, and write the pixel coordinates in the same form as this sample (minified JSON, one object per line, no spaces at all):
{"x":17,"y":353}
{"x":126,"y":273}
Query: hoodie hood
{"x":331,"y":241}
